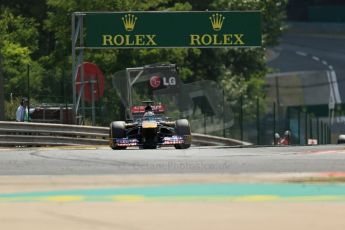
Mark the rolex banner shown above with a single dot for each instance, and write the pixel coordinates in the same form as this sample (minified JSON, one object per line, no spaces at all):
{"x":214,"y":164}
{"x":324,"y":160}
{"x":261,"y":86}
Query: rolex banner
{"x":209,"y":29}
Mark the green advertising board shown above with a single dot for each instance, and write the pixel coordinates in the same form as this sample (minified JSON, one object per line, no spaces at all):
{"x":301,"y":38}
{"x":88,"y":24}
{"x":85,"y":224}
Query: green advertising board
{"x":207,"y":29}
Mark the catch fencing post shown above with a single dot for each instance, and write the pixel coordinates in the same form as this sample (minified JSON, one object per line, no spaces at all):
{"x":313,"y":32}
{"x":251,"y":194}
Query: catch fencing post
{"x":28,"y":76}
{"x":223,"y":114}
{"x":258,"y":120}
{"x":325,"y":133}
{"x":317,"y":130}
{"x":322,"y":134}
{"x":241,"y":116}
{"x":306,"y":128}
{"x":204,"y":122}
{"x":299,"y":127}
{"x":311,"y":127}
{"x":274,"y":123}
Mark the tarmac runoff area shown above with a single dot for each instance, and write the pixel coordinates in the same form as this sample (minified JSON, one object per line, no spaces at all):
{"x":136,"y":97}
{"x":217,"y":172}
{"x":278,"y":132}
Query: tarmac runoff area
{"x":174,"y":201}
{"x":97,"y":188}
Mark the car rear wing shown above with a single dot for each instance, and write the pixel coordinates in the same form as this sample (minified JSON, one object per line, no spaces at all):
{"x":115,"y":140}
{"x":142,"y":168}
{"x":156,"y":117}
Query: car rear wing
{"x":140,"y":109}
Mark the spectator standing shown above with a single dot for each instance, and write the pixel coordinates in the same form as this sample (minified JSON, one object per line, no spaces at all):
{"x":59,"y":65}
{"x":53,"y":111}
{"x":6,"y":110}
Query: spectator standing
{"x":20,"y":112}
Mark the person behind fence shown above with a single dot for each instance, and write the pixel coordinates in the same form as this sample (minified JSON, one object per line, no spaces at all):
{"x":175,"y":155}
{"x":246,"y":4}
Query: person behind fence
{"x":22,"y":113}
{"x":287,"y":137}
{"x":285,"y":140}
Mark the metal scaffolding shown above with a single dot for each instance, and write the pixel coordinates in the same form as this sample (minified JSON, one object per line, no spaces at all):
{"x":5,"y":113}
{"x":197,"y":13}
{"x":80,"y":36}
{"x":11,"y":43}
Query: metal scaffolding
{"x":77,"y":60}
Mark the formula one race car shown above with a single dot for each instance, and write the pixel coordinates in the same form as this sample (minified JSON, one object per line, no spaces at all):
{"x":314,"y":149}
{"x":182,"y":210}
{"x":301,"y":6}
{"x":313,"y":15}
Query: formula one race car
{"x":149,"y":130}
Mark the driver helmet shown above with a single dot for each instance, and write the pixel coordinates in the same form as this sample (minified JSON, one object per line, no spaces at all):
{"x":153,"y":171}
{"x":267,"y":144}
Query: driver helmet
{"x":149,"y":115}
{"x":276,"y":136}
{"x":148,"y":108}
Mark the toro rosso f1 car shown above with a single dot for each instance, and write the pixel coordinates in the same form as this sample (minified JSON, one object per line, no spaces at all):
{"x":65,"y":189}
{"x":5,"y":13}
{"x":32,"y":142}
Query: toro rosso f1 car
{"x":149,"y":130}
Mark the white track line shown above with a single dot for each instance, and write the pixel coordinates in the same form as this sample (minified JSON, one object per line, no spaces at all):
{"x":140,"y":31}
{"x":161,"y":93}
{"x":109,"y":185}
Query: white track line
{"x":331,"y":76}
{"x":315,"y":58}
{"x":301,"y":53}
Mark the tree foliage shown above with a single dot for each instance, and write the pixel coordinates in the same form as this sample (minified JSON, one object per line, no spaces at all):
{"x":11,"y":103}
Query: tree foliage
{"x":19,"y":40}
{"x":39,"y":35}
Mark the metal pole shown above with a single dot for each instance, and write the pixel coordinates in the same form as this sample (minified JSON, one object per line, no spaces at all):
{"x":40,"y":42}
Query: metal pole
{"x":93,"y":103}
{"x":204,"y":123}
{"x":317,"y":131}
{"x":82,"y":66}
{"x":223,"y":114}
{"x":288,"y":117}
{"x":274,"y":123}
{"x":65,"y":99}
{"x":129,"y":95}
{"x":299,"y":126}
{"x":73,"y":72}
{"x":2,"y":92}
{"x":28,"y":75}
{"x":325,"y":133}
{"x":328,"y":134}
{"x":241,"y":116}
{"x":311,"y":127}
{"x":306,"y":128}
{"x":258,"y":120}
{"x":322,"y":134}
{"x":61,"y":113}
{"x":278,"y":98}
{"x":44,"y":113}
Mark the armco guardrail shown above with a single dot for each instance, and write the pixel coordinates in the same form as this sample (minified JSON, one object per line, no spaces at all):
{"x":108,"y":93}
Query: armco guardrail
{"x":43,"y":134}
{"x":202,"y":139}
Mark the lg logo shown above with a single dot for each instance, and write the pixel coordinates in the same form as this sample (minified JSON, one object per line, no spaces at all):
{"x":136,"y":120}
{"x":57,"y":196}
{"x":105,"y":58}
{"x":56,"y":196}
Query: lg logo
{"x":156,"y":81}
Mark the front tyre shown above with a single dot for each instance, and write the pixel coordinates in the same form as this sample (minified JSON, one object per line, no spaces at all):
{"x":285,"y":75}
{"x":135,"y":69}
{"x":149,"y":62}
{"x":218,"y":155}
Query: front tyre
{"x":182,"y":128}
{"x":117,"y":130}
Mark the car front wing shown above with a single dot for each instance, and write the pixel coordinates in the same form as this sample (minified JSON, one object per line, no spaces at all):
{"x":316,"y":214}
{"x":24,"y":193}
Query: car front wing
{"x":128,"y":142}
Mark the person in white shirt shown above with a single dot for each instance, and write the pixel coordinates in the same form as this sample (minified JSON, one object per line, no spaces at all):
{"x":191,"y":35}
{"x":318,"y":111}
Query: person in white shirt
{"x":20,"y":113}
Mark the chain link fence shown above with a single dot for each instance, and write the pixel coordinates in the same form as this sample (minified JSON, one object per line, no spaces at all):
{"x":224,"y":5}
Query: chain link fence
{"x":211,"y":111}
{"x":290,"y":104}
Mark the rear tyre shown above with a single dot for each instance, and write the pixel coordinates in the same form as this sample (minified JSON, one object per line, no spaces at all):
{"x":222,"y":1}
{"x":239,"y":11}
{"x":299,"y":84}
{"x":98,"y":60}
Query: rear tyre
{"x":117,"y":130}
{"x":182,"y":128}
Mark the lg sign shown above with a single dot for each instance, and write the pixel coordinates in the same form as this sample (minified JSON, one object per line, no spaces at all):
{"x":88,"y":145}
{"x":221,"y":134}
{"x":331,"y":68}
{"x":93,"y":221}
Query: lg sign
{"x":156,"y":81}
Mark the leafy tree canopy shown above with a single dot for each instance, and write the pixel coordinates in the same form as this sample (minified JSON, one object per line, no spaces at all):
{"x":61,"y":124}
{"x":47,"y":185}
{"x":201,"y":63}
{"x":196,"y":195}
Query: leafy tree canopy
{"x":39,"y":35}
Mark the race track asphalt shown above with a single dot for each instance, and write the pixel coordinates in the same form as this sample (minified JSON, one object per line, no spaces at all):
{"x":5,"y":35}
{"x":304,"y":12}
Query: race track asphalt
{"x":204,"y":160}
